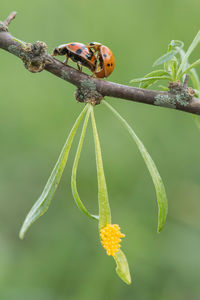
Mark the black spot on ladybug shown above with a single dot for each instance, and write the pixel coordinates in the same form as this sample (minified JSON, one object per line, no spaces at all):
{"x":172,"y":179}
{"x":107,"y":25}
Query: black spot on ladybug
{"x":105,"y":55}
{"x":111,"y":64}
{"x":73,"y":44}
{"x":108,"y":65}
{"x":79,"y":51}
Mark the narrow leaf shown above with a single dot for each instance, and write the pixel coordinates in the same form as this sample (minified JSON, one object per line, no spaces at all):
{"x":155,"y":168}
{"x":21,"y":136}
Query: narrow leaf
{"x":75,"y":166}
{"x":173,"y":68}
{"x":146,"y":84}
{"x":182,"y":55}
{"x":42,"y":204}
{"x":164,"y":88}
{"x":122,"y":268}
{"x":196,"y":86}
{"x":164,"y":58}
{"x":175,"y":44}
{"x":160,"y":72}
{"x":173,"y":48}
{"x":188,"y":53}
{"x":159,"y":186}
{"x":104,"y":207}
{"x":195,"y":80}
{"x":144,"y":79}
{"x":192,"y":66}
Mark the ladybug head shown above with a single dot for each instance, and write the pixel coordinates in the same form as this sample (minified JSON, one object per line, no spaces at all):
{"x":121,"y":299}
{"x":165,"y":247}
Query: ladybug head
{"x":56,"y":51}
{"x":95,"y":45}
{"x":60,"y":50}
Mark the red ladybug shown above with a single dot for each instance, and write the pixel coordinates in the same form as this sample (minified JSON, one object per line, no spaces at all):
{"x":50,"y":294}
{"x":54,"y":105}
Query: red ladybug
{"x":106,"y":60}
{"x":78,"y":53}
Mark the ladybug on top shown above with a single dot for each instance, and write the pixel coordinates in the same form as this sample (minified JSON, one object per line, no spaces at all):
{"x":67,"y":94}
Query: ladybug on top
{"x":95,"y":56}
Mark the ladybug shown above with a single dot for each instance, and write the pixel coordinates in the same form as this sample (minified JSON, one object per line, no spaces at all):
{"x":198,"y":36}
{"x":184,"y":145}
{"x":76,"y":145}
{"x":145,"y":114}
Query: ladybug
{"x":78,"y":53}
{"x":106,"y":59}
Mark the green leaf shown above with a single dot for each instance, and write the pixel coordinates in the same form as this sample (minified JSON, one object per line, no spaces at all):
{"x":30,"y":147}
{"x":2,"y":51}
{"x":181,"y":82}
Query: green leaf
{"x":122,"y":268}
{"x":196,"y":85}
{"x":193,"y":76}
{"x":164,"y":88}
{"x":182,"y":55}
{"x":188,"y":53}
{"x":159,"y":186}
{"x":192,"y":66}
{"x":42,"y":204}
{"x":151,"y":78}
{"x":195,"y":80}
{"x":75,"y":166}
{"x":196,"y":93}
{"x":155,"y":73}
{"x":175,"y":44}
{"x":164,"y":58}
{"x":104,"y":207}
{"x":173,"y":48}
{"x":144,"y":79}
{"x":173,"y":68}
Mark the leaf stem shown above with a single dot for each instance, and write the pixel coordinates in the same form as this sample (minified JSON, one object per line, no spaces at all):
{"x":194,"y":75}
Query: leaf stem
{"x":75,"y":166}
{"x":104,"y":207}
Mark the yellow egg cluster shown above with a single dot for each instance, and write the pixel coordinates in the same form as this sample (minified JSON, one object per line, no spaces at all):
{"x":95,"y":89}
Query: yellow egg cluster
{"x":110,"y":238}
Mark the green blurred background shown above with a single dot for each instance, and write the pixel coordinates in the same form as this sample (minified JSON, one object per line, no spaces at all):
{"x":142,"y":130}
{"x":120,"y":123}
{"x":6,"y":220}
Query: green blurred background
{"x":61,"y":257}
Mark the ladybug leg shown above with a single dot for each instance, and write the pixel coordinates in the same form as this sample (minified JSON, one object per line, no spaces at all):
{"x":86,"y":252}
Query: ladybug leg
{"x":98,"y":64}
{"x":66,"y":60}
{"x":79,"y":67}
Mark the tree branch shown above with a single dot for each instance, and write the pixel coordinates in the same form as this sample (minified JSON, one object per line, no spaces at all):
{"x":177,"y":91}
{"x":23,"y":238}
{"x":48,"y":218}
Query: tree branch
{"x":36,"y":59}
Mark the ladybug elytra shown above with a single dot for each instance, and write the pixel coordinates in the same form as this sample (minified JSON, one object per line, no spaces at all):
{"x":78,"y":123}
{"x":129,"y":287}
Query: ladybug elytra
{"x":78,"y":53}
{"x":106,"y":60}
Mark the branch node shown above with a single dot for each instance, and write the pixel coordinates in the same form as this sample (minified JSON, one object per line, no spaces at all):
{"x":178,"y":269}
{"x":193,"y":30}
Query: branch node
{"x":34,"y":56}
{"x":183,"y":94}
{"x":4,"y":25}
{"x":87,"y":93}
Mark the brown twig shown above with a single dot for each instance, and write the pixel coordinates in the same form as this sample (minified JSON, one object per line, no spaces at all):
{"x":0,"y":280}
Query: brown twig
{"x":37,"y":59}
{"x":10,"y":18}
{"x":185,"y":83}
